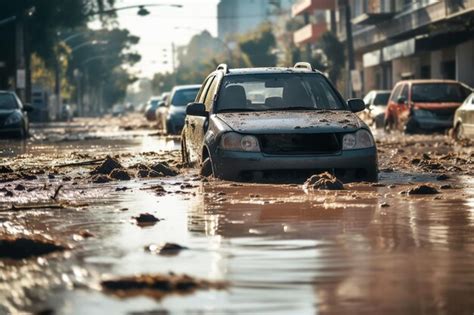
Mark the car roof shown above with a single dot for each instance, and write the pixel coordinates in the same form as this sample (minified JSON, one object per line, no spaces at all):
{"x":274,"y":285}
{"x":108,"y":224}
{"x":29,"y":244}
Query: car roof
{"x":186,"y":87}
{"x":268,"y":70}
{"x":419,"y":81}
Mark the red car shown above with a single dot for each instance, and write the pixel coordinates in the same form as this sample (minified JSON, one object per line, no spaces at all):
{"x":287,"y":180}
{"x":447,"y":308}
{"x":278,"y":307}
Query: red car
{"x":424,"y":105}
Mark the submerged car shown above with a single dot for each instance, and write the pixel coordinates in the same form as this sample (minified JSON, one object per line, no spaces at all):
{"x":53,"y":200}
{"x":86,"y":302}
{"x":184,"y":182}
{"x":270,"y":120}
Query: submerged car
{"x":171,"y":114}
{"x":376,"y":102}
{"x":302,"y":126}
{"x":14,"y":120}
{"x":464,"y":120}
{"x":424,"y":105}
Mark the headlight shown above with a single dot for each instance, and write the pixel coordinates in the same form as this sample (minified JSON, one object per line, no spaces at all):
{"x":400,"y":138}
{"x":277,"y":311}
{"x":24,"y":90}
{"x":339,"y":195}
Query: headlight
{"x":420,"y":113}
{"x":361,"y":139}
{"x":13,"y":119}
{"x":236,"y":142}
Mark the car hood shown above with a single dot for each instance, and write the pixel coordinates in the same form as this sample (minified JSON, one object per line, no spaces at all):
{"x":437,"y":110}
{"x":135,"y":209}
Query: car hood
{"x":291,"y":121}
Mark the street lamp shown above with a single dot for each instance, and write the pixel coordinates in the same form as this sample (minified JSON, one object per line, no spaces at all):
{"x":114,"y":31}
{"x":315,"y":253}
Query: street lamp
{"x":142,"y":11}
{"x":89,"y":43}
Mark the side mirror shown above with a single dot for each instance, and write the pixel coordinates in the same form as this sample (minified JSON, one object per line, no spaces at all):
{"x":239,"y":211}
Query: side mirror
{"x":401,"y":100}
{"x":28,"y":108}
{"x":196,"y":109}
{"x":356,"y":105}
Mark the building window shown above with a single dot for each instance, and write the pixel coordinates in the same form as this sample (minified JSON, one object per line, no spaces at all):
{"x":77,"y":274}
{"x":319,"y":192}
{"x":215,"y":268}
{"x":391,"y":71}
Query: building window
{"x":448,"y":69}
{"x":425,"y":72}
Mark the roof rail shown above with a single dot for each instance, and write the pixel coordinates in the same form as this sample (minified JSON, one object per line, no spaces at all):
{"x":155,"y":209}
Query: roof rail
{"x":304,"y":65}
{"x":224,"y":67}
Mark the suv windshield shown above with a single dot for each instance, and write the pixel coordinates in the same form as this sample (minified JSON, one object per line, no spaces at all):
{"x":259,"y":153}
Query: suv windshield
{"x":7,"y":101}
{"x":381,"y":99}
{"x":285,"y":91}
{"x":438,"y":92}
{"x":184,"y":97}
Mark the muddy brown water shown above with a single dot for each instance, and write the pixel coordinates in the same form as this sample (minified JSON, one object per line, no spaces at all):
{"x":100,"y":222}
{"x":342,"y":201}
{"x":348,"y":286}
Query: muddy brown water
{"x":282,"y":250}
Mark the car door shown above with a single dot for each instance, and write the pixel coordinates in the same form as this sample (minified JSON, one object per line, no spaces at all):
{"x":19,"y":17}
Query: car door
{"x":403,"y":110}
{"x":193,"y":144}
{"x":468,"y":117}
{"x":202,"y":123}
{"x":391,"y":111}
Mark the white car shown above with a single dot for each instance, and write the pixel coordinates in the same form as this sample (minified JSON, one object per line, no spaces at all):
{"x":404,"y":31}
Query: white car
{"x":376,"y":102}
{"x":464,"y":119}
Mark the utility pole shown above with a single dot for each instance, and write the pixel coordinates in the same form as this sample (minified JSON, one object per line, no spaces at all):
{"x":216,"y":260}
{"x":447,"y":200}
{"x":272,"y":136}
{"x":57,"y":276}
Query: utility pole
{"x":349,"y":47}
{"x":20,"y":75}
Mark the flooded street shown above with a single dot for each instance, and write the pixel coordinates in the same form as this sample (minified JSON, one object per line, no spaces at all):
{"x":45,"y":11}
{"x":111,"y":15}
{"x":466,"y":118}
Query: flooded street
{"x":273,"y":249}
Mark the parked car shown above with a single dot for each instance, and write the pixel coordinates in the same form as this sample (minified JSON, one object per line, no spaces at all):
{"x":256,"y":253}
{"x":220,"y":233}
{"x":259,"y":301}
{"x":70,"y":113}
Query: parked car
{"x":118,"y":110}
{"x":151,"y":107}
{"x":376,"y":102}
{"x":424,"y":105}
{"x":464,"y":119}
{"x":14,"y":120}
{"x":171,"y":114}
{"x":302,"y":126}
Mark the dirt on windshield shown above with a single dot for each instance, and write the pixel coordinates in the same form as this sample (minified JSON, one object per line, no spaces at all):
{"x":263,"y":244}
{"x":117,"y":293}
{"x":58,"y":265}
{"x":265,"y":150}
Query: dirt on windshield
{"x":101,"y":215}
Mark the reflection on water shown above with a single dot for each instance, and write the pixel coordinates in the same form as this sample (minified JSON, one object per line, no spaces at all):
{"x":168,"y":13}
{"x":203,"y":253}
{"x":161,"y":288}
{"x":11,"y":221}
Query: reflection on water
{"x":282,"y":251}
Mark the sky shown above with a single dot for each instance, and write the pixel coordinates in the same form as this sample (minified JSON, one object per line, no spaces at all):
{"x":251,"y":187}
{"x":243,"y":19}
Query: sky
{"x":165,"y":26}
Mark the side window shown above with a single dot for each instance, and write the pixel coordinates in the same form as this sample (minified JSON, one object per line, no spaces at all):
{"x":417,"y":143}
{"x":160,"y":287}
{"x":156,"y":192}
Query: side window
{"x":202,"y":93}
{"x":210,"y":94}
{"x":404,"y":92}
{"x":395,"y":93}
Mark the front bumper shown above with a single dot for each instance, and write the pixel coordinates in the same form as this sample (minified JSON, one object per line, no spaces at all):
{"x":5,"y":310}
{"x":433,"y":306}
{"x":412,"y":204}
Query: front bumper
{"x":432,"y":123}
{"x":11,"y":131}
{"x":347,"y":165}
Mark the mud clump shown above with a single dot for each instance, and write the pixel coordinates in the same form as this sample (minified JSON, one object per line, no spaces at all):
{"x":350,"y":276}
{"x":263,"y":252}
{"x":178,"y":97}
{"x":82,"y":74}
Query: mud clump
{"x":100,"y":179}
{"x":146,"y":219}
{"x":157,"y":286}
{"x":5,"y":169}
{"x":168,"y":249}
{"x":107,"y":166}
{"x":324,"y":181}
{"x":164,"y":169}
{"x":21,"y":247}
{"x":119,"y":174}
{"x":423,"y":190}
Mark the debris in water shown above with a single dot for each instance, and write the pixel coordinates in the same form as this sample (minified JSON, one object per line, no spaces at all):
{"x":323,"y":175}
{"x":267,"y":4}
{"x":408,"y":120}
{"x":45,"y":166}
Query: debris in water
{"x":21,"y":247}
{"x":146,"y":219}
{"x":100,"y":179}
{"x":324,"y":181}
{"x":20,"y":187}
{"x":164,"y":169}
{"x":168,"y":249}
{"x":423,"y":190}
{"x":5,"y":169}
{"x":443,"y":177}
{"x":157,"y":286}
{"x":119,"y":174}
{"x":107,"y":166}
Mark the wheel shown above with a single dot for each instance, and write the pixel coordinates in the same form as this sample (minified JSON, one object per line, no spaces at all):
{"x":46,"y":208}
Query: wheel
{"x":206,"y":168}
{"x":411,"y":127}
{"x":458,"y":132}
{"x":184,"y":152}
{"x":372,"y":175}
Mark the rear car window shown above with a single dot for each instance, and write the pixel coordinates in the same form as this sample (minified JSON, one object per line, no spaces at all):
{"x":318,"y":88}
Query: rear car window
{"x":438,"y":93}
{"x":285,"y":91}
{"x":7,"y":101}
{"x":381,"y":99}
{"x":184,"y":97}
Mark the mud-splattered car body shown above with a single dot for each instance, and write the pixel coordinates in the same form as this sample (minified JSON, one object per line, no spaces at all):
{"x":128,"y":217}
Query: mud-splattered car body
{"x":267,"y":140}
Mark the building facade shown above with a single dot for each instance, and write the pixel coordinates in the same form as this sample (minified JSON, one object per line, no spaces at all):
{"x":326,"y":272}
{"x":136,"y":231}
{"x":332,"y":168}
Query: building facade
{"x":400,"y":39}
{"x":235,"y":17}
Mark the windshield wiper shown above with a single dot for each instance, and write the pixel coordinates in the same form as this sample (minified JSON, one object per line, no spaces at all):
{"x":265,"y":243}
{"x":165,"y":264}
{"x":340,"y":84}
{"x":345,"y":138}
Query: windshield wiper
{"x":232,"y":110}
{"x":293,"y":108}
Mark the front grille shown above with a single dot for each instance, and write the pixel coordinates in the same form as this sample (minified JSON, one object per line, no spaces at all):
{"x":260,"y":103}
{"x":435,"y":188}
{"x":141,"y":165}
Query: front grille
{"x":300,"y":144}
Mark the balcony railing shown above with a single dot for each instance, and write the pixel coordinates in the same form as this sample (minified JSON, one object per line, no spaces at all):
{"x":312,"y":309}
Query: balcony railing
{"x":309,"y":33}
{"x":377,"y":11}
{"x":308,"y":6}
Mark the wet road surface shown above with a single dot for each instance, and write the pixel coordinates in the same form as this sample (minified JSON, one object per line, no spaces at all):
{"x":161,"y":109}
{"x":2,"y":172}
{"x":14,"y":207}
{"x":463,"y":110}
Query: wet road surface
{"x":281,"y":250}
